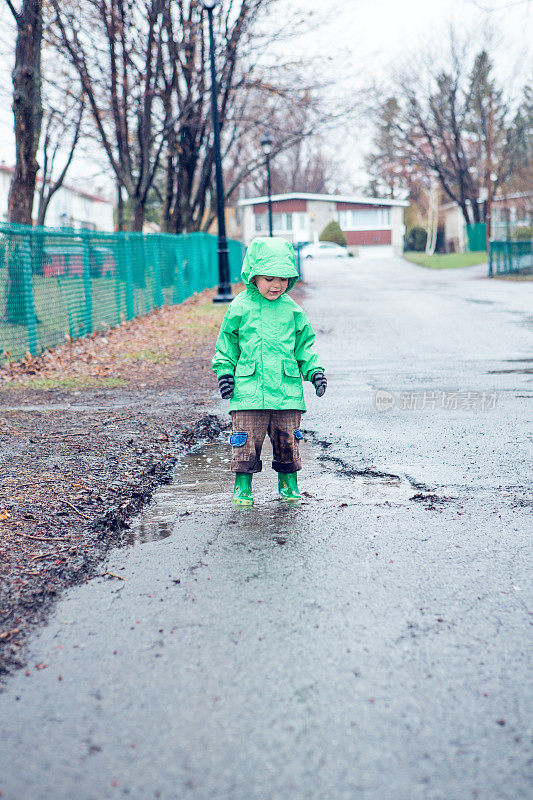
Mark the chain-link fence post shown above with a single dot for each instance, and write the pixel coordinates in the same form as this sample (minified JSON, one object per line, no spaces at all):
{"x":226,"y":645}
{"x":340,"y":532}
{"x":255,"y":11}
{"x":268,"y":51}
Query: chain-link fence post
{"x":118,"y":282}
{"x":87,"y":288}
{"x":29,"y":305}
{"x":128,"y":273}
{"x":156,"y":267}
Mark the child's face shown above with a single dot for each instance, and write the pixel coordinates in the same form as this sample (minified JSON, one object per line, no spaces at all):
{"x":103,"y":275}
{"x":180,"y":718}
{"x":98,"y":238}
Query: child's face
{"x":270,"y":287}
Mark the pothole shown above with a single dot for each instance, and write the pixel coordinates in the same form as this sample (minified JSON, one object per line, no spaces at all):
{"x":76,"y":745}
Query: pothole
{"x":203,"y":484}
{"x":431,"y":500}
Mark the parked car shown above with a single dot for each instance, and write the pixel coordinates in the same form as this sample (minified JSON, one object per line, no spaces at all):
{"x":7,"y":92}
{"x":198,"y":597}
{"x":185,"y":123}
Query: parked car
{"x":61,"y":260}
{"x":323,"y":250}
{"x":103,"y":262}
{"x":66,"y":259}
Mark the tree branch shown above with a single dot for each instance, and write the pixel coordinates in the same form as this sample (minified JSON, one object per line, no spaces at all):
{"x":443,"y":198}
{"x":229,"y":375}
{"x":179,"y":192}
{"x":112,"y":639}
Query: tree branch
{"x":13,"y":10}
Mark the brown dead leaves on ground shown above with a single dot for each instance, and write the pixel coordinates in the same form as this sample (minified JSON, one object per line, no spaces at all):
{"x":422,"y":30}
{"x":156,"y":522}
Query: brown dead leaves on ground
{"x":142,"y":350}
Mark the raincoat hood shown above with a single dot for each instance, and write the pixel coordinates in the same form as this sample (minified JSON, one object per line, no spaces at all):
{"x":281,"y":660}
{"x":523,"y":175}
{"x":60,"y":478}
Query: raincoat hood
{"x":269,"y":256}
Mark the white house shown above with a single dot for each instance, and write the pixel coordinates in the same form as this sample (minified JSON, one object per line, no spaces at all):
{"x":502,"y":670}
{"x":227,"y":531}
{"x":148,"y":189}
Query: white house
{"x":69,"y":207}
{"x":373,"y":226}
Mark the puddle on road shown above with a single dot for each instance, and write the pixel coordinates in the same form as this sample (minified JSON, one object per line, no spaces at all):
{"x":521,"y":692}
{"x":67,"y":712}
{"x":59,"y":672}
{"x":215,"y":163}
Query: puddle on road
{"x":203,"y":483}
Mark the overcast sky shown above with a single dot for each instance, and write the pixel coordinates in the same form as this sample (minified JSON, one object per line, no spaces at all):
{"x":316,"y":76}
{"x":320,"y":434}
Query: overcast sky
{"x":384,"y":30}
{"x":363,"y":40}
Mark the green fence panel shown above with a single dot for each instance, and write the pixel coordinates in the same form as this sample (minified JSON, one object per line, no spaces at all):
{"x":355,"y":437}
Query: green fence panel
{"x":510,"y":257}
{"x":476,"y":236}
{"x":58,"y":284}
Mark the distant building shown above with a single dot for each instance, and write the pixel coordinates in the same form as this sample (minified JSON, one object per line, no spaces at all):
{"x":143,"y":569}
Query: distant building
{"x":509,"y":212}
{"x":373,"y":226}
{"x":68,"y":208}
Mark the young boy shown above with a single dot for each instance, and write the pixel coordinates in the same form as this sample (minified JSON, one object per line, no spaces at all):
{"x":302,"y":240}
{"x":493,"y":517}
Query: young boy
{"x":263,"y":348}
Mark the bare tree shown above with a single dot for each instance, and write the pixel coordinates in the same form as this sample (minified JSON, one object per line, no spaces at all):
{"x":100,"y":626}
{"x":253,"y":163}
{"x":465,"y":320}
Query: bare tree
{"x":256,"y":93}
{"x":59,"y":124}
{"x":144,"y":70}
{"x":27,"y":112}
{"x":454,"y":122}
{"x":186,"y":85}
{"x":118,"y":58}
{"x":27,"y":108}
{"x":302,"y":167}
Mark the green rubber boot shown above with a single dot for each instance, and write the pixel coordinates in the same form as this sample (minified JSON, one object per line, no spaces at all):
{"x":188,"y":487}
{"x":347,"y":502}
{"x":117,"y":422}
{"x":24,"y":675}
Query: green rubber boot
{"x":288,"y":486}
{"x":242,"y":493}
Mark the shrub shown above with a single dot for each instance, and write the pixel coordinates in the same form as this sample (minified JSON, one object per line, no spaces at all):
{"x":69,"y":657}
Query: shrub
{"x":523,"y":232}
{"x":333,"y":233}
{"x":416,"y":239}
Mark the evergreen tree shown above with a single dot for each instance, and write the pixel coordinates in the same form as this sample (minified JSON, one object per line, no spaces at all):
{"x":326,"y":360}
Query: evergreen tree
{"x":459,"y":123}
{"x":383,"y":164}
{"x":333,"y":233}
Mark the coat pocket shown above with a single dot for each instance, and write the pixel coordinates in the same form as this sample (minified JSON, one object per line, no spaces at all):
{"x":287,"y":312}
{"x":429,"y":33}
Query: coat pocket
{"x":292,"y":381}
{"x":245,"y":378}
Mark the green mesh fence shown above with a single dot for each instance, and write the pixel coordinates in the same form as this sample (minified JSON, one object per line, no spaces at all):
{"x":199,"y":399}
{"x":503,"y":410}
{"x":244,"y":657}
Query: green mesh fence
{"x":510,"y":257}
{"x":56,"y":284}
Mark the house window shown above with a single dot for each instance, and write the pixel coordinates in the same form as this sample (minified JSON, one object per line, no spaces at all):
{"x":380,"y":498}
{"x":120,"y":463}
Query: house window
{"x":363,"y":218}
{"x":280,"y":222}
{"x":367,"y":217}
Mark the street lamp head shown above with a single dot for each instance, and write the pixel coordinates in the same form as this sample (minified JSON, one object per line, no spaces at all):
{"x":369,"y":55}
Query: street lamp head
{"x":266,"y":144}
{"x":209,"y":4}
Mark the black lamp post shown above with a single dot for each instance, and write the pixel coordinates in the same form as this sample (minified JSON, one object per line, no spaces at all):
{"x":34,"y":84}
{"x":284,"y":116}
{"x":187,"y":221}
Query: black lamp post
{"x":224,"y":287}
{"x":266,"y":144}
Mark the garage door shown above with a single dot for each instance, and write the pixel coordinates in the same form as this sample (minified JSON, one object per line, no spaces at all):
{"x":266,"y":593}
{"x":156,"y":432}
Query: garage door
{"x":375,"y":251}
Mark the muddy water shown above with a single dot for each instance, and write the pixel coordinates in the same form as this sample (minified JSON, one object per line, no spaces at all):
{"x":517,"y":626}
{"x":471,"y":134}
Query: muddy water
{"x":203,"y":483}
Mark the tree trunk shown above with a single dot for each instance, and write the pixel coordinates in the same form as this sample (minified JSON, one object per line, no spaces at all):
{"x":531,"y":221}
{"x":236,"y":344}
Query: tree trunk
{"x":166,"y":222}
{"x":475,"y":209}
{"x":120,"y":208}
{"x":466,"y":215}
{"x":138,"y":213}
{"x":28,"y":113}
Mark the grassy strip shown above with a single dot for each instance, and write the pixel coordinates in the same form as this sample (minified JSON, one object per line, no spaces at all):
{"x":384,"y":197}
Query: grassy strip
{"x":447,"y":260}
{"x":141,"y":351}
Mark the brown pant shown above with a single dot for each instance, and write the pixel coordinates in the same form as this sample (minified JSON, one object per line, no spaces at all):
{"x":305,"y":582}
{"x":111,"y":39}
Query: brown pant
{"x":249,"y":431}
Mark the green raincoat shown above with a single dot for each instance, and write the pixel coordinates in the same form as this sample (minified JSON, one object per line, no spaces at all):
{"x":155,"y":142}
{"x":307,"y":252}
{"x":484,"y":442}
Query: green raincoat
{"x":266,"y":344}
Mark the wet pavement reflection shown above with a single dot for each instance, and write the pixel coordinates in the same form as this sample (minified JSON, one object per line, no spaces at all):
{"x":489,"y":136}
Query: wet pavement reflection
{"x":203,"y":484}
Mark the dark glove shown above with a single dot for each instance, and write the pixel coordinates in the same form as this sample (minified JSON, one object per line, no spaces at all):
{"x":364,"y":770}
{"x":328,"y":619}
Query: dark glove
{"x":226,"y":385}
{"x":320,"y":383}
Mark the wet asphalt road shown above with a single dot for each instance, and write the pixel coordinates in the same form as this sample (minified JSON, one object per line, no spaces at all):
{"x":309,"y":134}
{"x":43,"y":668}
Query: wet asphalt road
{"x":362,"y":645}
